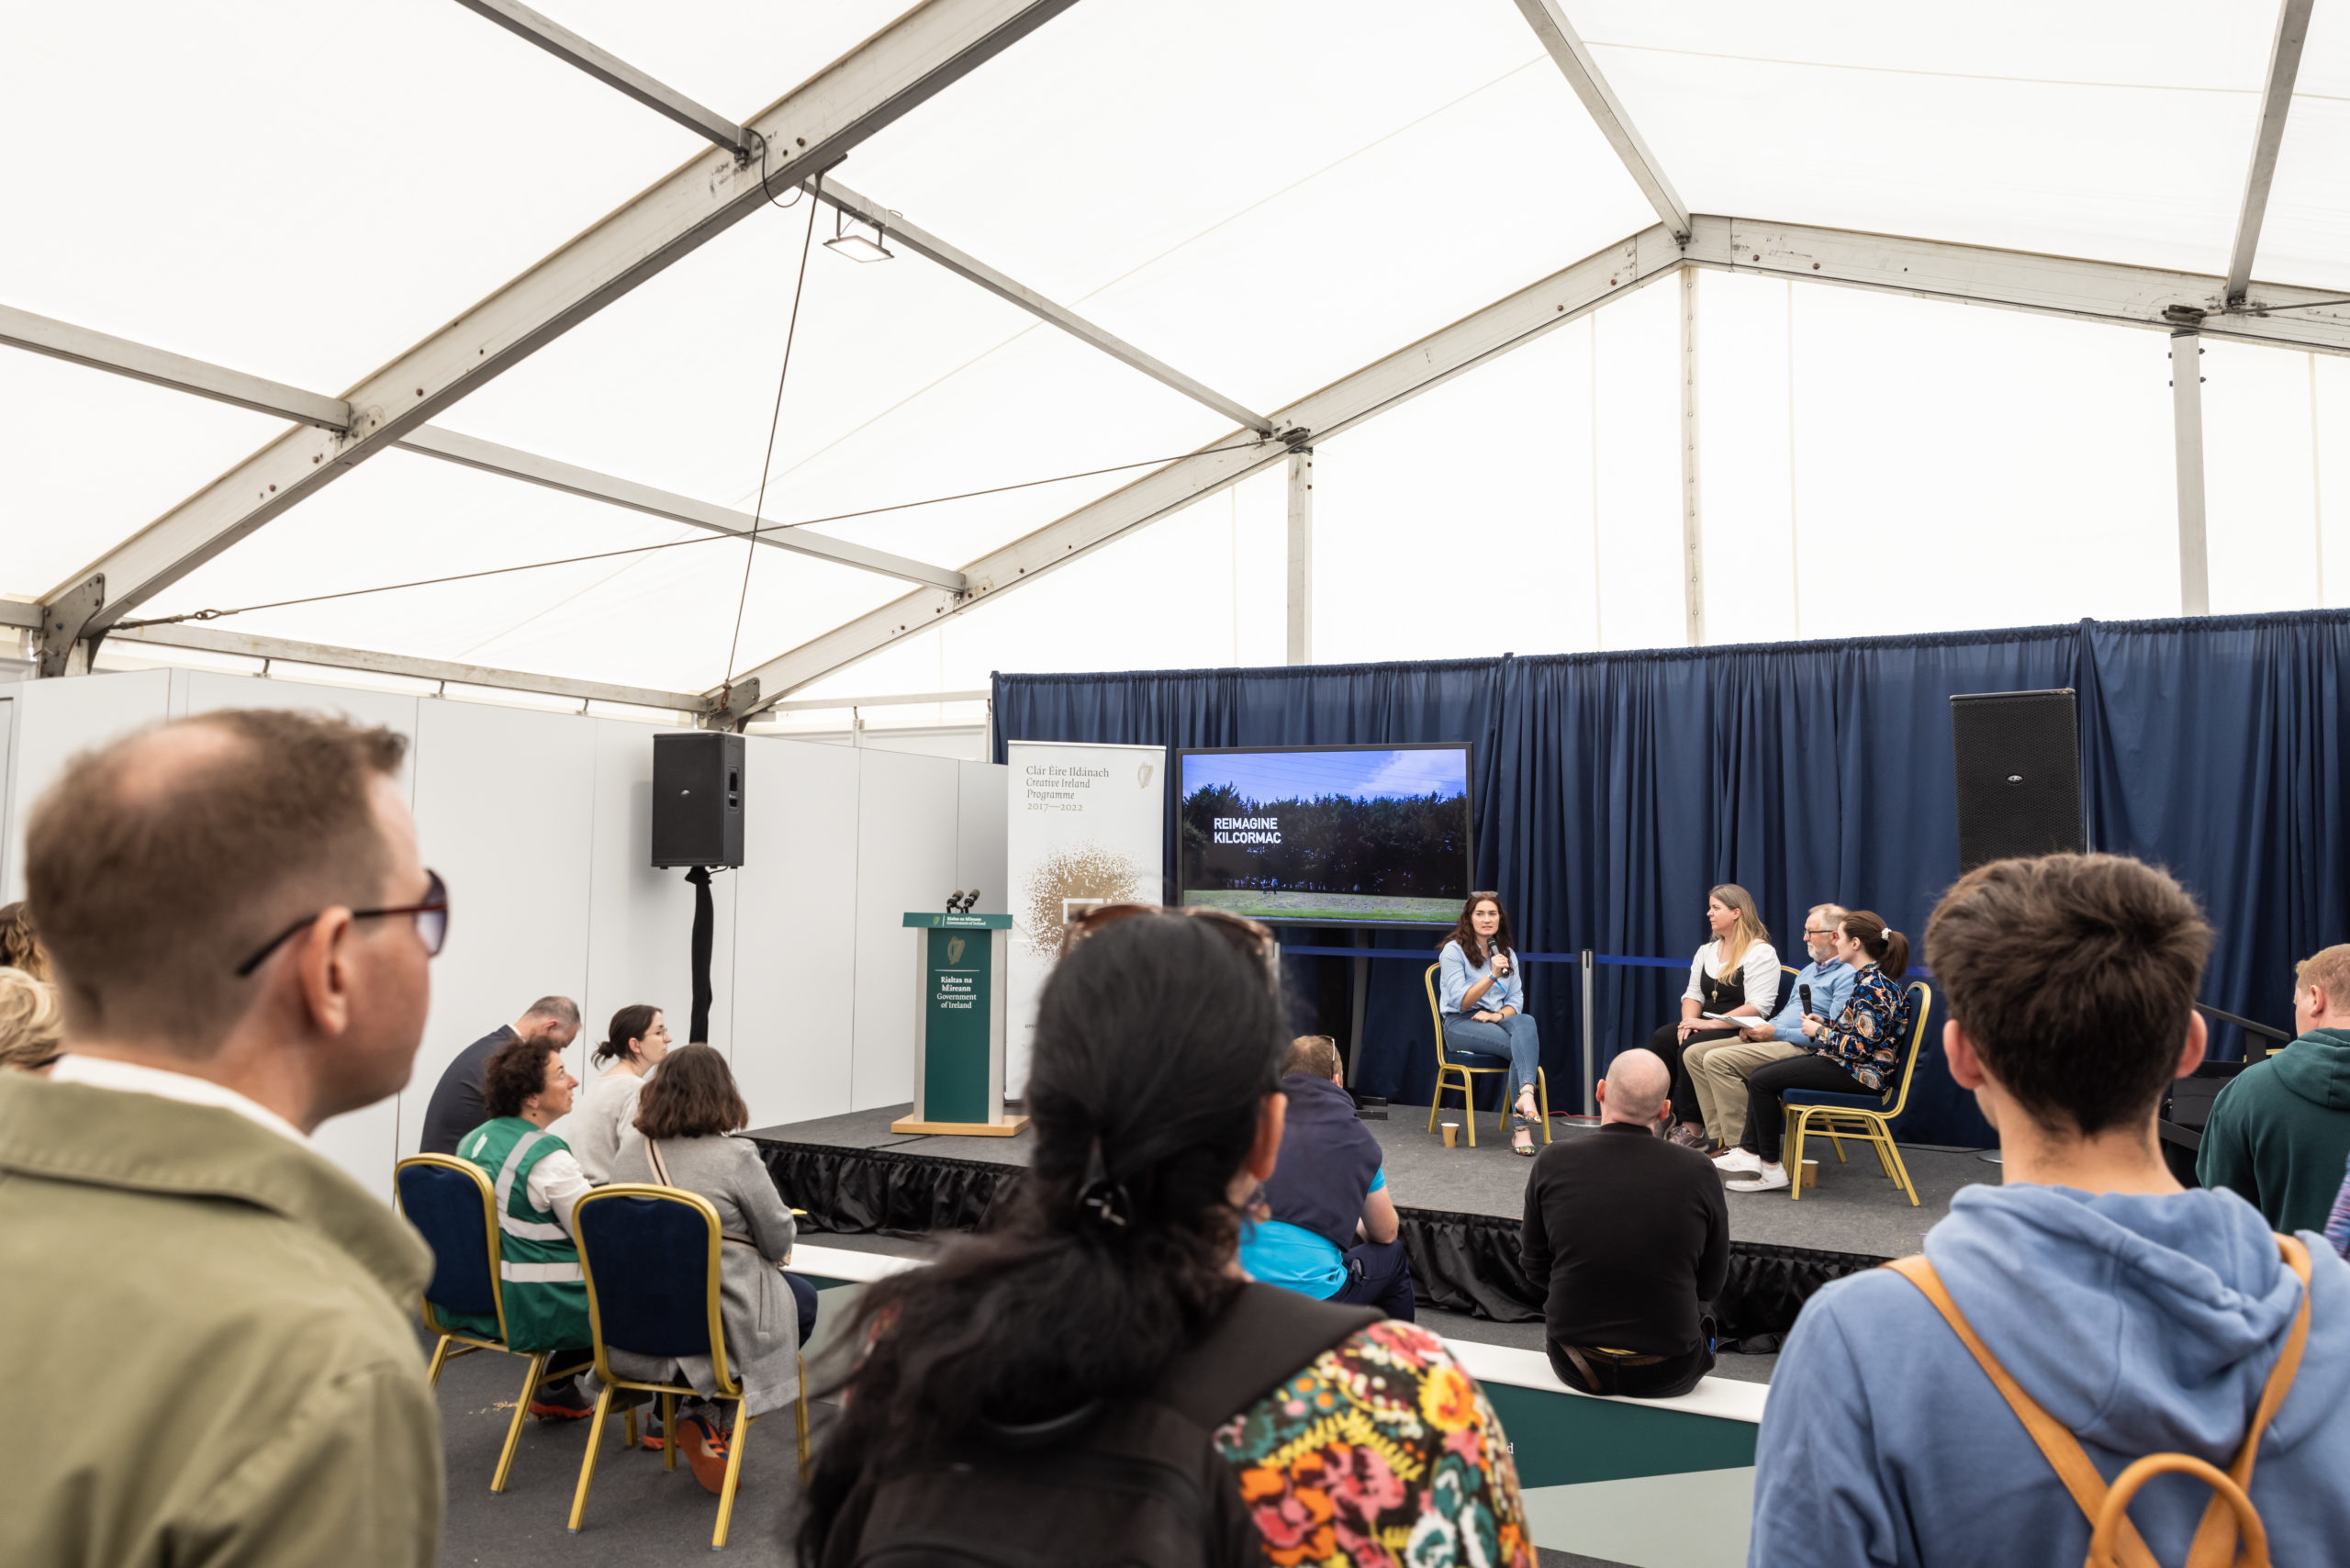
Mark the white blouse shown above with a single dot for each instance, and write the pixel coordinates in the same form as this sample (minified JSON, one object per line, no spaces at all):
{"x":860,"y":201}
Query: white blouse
{"x":1760,"y":968}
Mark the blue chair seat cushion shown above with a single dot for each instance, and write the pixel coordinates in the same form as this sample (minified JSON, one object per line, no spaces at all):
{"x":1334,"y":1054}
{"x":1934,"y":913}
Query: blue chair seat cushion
{"x":1478,"y":1059}
{"x":1830,"y":1099}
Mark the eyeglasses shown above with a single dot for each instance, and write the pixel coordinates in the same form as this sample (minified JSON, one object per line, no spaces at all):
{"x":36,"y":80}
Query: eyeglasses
{"x":1249,"y":937}
{"x":432,"y":923}
{"x":1808,"y":931}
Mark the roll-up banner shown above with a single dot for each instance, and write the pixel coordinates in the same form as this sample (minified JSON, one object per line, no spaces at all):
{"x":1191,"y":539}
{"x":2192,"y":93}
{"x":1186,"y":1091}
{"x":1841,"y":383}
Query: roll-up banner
{"x":1086,"y":826}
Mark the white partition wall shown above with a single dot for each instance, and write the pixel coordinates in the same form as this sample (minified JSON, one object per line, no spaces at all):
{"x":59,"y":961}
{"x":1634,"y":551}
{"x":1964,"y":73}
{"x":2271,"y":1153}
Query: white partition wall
{"x":906,"y":809}
{"x":505,"y":807}
{"x":640,"y":921}
{"x":56,"y":719}
{"x":540,"y":823}
{"x":979,"y":834}
{"x":794,"y":935}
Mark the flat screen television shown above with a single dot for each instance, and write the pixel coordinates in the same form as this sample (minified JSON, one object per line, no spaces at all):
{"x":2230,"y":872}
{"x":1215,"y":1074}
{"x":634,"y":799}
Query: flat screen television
{"x":1327,"y":835}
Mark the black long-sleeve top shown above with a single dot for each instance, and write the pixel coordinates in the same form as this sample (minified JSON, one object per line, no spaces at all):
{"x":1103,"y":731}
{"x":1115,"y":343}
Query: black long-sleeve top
{"x":1630,"y":1236}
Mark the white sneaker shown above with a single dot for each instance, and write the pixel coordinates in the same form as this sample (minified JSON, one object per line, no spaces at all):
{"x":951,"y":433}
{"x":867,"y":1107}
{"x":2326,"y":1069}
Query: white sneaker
{"x":1770,"y":1179}
{"x":1737,"y":1163}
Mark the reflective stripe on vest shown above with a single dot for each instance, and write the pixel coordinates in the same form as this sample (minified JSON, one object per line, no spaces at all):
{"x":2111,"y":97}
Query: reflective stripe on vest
{"x":530,"y":1230}
{"x":539,"y":1273}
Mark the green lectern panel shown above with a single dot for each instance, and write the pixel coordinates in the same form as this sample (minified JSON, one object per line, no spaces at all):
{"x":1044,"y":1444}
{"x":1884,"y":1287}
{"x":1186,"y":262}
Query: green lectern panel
{"x":954,"y":1078}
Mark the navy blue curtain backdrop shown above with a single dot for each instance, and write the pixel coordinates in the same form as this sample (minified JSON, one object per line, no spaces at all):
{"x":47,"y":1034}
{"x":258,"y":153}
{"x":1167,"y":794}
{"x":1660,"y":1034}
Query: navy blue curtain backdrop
{"x":1611,"y":790}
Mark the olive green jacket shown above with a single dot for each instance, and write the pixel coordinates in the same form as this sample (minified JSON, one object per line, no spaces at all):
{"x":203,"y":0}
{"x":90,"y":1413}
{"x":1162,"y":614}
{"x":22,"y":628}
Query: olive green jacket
{"x":208,"y":1327}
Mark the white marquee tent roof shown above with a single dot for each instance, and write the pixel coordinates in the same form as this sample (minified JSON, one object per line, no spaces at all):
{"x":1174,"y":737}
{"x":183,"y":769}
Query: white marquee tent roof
{"x":1277,"y":200}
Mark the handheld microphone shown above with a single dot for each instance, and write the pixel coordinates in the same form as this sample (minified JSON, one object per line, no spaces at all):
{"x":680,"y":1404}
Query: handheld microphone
{"x":1806,"y":991}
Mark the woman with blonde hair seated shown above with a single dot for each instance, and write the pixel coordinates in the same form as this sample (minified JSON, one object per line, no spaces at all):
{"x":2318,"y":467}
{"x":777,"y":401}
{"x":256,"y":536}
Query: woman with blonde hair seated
{"x":1736,"y":975}
{"x":686,"y":1115}
{"x":32,"y":1025}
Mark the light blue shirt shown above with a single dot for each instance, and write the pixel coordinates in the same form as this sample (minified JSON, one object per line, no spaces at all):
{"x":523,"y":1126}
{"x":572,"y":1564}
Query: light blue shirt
{"x":1832,"y":987}
{"x":1289,"y":1255}
{"x":1454,"y":977}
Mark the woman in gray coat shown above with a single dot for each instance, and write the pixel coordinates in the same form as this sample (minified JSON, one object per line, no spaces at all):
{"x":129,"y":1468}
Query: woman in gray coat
{"x":681,"y":1138}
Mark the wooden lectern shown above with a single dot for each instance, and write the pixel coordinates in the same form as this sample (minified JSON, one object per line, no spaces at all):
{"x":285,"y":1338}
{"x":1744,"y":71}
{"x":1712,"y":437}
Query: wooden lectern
{"x":958,"y":1026}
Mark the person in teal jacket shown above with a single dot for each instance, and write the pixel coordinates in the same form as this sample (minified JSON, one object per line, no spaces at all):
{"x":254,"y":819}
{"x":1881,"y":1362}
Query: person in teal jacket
{"x":2279,"y":1132}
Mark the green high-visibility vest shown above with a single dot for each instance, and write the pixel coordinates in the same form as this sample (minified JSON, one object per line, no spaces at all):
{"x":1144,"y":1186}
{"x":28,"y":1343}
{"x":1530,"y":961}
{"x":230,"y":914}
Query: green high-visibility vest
{"x":546,"y":1298}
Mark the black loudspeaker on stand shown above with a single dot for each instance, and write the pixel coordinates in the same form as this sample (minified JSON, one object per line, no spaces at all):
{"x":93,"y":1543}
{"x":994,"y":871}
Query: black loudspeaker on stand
{"x":698,"y":824}
{"x":2019,"y":774}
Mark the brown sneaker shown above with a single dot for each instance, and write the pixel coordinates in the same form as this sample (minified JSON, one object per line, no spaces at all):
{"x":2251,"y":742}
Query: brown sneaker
{"x":1689,"y":1135}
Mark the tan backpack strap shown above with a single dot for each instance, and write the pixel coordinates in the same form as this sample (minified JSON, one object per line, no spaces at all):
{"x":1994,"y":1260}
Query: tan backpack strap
{"x":652,"y":1157}
{"x":2215,"y":1538}
{"x":2062,"y":1450}
{"x":2228,"y":1501}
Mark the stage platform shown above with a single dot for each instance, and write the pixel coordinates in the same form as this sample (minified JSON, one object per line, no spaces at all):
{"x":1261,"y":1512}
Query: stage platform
{"x":1460,"y":1209}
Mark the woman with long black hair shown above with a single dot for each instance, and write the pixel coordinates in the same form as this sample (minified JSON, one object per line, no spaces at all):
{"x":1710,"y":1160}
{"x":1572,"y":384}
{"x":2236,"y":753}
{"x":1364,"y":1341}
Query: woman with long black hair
{"x":1105,"y":1295}
{"x":1483,"y":998}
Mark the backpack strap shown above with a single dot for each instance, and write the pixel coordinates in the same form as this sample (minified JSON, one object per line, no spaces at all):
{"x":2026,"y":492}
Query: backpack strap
{"x":2116,"y":1540}
{"x":1264,"y":1336}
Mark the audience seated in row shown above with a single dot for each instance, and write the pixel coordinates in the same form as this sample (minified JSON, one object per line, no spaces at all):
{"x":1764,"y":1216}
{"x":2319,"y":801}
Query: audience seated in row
{"x":634,"y":1043}
{"x":682,"y":1136}
{"x":239,"y":927}
{"x":2279,"y":1132}
{"x":456,"y":1106}
{"x":2140,"y":1318}
{"x":1105,"y":1298}
{"x":1719,"y":1068}
{"x":1324,"y":1223}
{"x":1859,"y":1052}
{"x":32,"y":1022}
{"x":1628,"y":1234}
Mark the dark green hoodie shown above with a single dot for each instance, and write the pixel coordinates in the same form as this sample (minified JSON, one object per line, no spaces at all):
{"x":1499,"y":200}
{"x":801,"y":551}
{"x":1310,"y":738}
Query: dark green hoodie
{"x":2279,"y":1132}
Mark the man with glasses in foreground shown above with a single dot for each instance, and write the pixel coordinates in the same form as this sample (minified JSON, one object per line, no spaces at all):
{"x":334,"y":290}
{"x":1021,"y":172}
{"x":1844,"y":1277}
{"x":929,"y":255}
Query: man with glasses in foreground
{"x":217,"y":1320}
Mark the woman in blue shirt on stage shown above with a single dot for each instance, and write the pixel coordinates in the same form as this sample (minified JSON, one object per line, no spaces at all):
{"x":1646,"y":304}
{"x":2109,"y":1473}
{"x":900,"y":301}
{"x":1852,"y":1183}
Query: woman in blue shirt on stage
{"x":1484,"y":1000}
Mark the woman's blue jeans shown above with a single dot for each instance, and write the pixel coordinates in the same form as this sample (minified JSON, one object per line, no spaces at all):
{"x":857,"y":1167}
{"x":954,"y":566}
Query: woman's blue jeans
{"x":1514,"y":1037}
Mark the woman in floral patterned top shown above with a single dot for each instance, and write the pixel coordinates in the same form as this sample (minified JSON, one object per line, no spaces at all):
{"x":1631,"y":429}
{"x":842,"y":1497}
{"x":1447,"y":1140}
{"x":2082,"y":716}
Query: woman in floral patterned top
{"x":1155,"y":1096}
{"x":1383,"y":1450}
{"x":1856,"y":1054}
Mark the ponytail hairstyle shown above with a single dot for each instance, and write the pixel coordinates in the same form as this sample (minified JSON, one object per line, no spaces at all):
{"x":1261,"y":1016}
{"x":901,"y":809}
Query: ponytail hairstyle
{"x":629,"y":1023}
{"x":1750,"y":928}
{"x":1878,"y":940}
{"x":1157,"y":1040}
{"x":1465,"y":932}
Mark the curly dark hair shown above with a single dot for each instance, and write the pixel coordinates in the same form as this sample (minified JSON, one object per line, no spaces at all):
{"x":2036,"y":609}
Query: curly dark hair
{"x":514,"y":1072}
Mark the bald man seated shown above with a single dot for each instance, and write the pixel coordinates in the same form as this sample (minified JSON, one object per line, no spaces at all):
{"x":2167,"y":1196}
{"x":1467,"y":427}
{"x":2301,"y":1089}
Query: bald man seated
{"x":1628,"y":1233}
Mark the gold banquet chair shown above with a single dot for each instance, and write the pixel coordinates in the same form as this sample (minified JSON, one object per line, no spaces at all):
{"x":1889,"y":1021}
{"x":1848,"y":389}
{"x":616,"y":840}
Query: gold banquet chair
{"x":1868,"y":1116}
{"x":1448,"y":1069}
{"x":453,"y":1204}
{"x":650,"y":1256}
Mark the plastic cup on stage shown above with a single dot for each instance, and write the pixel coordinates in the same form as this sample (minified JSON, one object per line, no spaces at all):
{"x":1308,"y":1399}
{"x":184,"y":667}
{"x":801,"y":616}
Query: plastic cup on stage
{"x":1811,"y":1173}
{"x":1451,"y":1131}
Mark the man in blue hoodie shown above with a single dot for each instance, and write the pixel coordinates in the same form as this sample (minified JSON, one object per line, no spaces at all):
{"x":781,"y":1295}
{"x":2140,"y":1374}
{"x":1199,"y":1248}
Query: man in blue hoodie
{"x":2142,"y":1318}
{"x":2279,"y":1132}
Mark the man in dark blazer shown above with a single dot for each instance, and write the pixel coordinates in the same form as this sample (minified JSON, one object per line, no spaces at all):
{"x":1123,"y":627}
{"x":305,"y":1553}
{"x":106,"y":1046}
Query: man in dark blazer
{"x":456,"y":1108}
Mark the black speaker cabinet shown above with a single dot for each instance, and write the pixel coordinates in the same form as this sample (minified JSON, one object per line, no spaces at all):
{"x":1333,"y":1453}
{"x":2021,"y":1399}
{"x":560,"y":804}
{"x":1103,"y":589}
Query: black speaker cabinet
{"x":698,"y":799}
{"x":2019,"y":774}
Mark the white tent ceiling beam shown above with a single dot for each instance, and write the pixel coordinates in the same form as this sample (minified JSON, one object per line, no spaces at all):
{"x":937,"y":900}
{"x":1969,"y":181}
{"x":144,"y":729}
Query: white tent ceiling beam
{"x":1297,"y":576}
{"x":2276,"y":102}
{"x":472,"y":451}
{"x":924,"y":243}
{"x":897,"y":700}
{"x":2106,"y":292}
{"x":99,"y":351}
{"x":2187,"y":448}
{"x":1509,"y":323}
{"x":921,"y":53}
{"x":614,"y":71}
{"x":205,"y":639}
{"x":23,"y":330}
{"x":1548,"y":20}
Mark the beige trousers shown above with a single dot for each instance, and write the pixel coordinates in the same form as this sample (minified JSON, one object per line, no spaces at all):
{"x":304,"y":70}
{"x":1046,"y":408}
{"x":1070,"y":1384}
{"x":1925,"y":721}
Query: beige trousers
{"x":1718,"y":1069}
